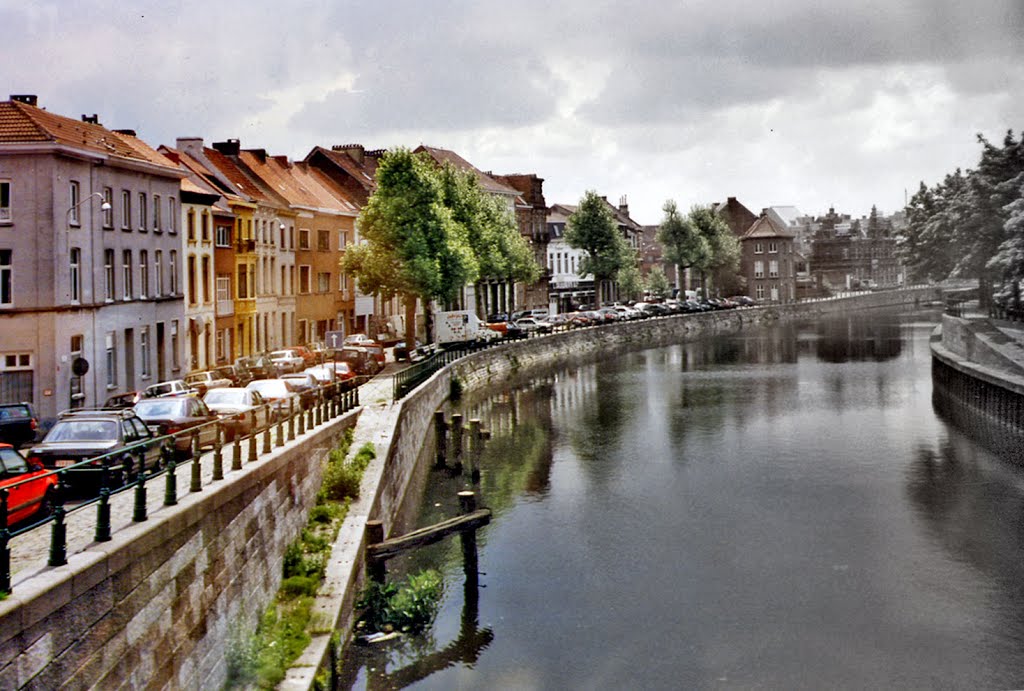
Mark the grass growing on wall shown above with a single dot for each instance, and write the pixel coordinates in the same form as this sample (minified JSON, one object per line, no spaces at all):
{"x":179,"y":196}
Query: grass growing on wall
{"x":261,"y":659}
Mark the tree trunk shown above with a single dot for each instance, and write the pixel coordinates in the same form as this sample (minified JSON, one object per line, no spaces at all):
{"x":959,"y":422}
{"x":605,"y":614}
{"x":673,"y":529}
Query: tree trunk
{"x":410,"y":322}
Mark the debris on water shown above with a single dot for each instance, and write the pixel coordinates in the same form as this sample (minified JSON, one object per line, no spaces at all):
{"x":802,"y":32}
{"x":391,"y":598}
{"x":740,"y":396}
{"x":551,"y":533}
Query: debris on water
{"x":378,"y":637}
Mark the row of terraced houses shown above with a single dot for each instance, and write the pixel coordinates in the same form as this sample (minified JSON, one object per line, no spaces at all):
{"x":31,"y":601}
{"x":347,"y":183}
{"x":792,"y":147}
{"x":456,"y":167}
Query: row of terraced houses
{"x":122,"y":264}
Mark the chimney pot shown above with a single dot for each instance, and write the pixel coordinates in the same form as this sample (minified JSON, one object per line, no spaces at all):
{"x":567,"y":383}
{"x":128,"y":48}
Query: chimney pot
{"x":28,"y":99}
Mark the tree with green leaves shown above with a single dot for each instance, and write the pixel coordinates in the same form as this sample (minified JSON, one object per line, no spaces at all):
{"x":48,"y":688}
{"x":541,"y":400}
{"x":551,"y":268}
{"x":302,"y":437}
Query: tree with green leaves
{"x":701,"y":241}
{"x":593,"y":229}
{"x":414,"y":248}
{"x":501,"y":252}
{"x":657,"y":282}
{"x":631,"y":282}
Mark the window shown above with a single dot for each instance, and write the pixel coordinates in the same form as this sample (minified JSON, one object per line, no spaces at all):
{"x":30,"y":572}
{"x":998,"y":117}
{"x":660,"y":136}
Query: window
{"x":304,"y":278}
{"x":205,"y":227}
{"x":173,"y":269}
{"x":205,"y":279}
{"x":191,"y":285}
{"x":773,"y":248}
{"x":157,"y":220}
{"x":323,"y":240}
{"x":77,"y":391}
{"x":111,"y":349}
{"x":758,"y":269}
{"x":5,"y":201}
{"x":759,"y":292}
{"x":303,"y":238}
{"x":143,"y":210}
{"x":223,"y":288}
{"x":6,"y":278}
{"x":284,"y":239}
{"x":75,"y":275}
{"x":190,"y":225}
{"x":773,"y":268}
{"x":144,"y":351}
{"x":172,"y":215}
{"x":323,"y":282}
{"x":108,"y":275}
{"x":108,"y":213}
{"x":243,"y":285}
{"x":126,"y":210}
{"x":158,"y":266}
{"x":175,"y":362}
{"x":143,"y":273}
{"x":126,"y":269}
{"x":74,"y":199}
{"x":222,"y":235}
{"x":758,"y":248}
{"x":342,"y":239}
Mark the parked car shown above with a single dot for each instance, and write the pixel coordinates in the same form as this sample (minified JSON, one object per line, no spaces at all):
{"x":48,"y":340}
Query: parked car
{"x":238,"y":375}
{"x":278,"y":393}
{"x":179,"y":417}
{"x":81,"y":435}
{"x":288,"y":360}
{"x":309,"y":358}
{"x":324,"y":374}
{"x":305,"y":385}
{"x":403,"y":352}
{"x":18,"y":424}
{"x":343,"y":373}
{"x":30,"y":486}
{"x":377,"y":351}
{"x":124,"y":400}
{"x":241,"y":410}
{"x":258,"y":366}
{"x":174,"y":387}
{"x":356,"y":339}
{"x":532,"y":324}
{"x":362,"y":360}
{"x":204,"y":381}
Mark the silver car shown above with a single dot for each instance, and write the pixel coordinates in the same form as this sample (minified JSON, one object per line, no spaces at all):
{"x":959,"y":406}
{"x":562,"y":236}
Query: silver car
{"x":242,"y":411}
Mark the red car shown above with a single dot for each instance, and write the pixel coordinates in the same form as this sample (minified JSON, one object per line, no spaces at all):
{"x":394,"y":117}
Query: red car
{"x":29,"y":498}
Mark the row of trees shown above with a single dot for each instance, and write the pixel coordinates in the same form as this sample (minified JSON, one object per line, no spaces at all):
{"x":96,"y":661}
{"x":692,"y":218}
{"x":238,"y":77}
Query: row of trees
{"x":971,"y":224}
{"x":431,"y":230}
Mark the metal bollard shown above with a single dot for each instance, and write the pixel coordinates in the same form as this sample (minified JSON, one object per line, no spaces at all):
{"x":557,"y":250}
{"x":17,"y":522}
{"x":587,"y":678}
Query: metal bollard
{"x":218,"y":456}
{"x":5,"y":538}
{"x":171,"y":489}
{"x":291,"y":419}
{"x":139,"y":514}
{"x":59,"y":534}
{"x":197,"y":475}
{"x":236,"y":455}
{"x":266,"y":434}
{"x":103,"y":508}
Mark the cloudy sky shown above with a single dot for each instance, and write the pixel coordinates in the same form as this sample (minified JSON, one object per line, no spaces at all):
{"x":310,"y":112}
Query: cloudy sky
{"x":776,"y":102}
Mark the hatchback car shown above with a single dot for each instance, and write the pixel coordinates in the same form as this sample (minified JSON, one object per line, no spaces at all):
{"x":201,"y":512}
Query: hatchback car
{"x":278,"y":393}
{"x":113,"y":438}
{"x":179,"y":417}
{"x":241,"y":410}
{"x":304,"y":384}
{"x":30,"y":486}
{"x":287,"y":361}
{"x":18,"y":424}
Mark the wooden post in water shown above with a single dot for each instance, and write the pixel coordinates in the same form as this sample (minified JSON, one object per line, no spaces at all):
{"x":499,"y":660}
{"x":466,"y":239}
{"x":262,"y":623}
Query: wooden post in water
{"x":476,"y":443}
{"x":441,"y":437}
{"x":457,"y":442}
{"x":376,"y":569}
{"x":470,"y":566}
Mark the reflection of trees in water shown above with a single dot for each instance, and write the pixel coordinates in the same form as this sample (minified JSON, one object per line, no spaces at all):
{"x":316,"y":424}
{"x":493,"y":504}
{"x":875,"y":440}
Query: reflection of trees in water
{"x":972,"y":504}
{"x":858,"y":338}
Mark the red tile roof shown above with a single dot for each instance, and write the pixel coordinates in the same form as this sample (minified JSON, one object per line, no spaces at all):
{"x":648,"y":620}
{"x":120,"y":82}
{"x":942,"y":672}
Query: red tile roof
{"x":487,"y":183}
{"x":23,"y":123}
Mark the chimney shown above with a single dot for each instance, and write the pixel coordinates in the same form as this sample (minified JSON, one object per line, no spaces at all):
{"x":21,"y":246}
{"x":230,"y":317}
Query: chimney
{"x":261,"y":154}
{"x":730,"y":201}
{"x":355,"y":151}
{"x":229,"y":148}
{"x":27,"y":99}
{"x":93,"y":119}
{"x":283,"y":161}
{"x":129,"y":133}
{"x":190,"y":145}
{"x":623,"y":206}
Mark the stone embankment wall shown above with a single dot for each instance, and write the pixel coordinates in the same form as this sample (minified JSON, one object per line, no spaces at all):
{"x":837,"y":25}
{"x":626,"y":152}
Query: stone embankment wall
{"x":157,"y":605}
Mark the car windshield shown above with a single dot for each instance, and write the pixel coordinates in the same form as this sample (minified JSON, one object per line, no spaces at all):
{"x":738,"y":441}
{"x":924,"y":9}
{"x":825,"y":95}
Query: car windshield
{"x":223,"y":397}
{"x":13,"y":462}
{"x":270,"y":387}
{"x":160,"y":408}
{"x":83,"y":430}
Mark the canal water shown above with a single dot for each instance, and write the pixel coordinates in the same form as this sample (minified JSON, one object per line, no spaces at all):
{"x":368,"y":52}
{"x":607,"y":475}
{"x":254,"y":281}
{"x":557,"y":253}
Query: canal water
{"x":779,"y":508}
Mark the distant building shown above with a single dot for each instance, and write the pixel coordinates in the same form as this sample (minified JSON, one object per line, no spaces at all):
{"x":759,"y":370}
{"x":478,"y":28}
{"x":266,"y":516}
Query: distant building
{"x":768,"y":260}
{"x":849,"y":254}
{"x":531,"y":216}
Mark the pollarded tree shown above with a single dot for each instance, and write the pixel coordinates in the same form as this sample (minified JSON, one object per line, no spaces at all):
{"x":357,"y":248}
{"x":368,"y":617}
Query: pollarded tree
{"x":501,"y":252}
{"x":592,"y":228}
{"x":631,"y":282}
{"x":657,"y":282}
{"x":680,"y":240}
{"x":414,"y":248}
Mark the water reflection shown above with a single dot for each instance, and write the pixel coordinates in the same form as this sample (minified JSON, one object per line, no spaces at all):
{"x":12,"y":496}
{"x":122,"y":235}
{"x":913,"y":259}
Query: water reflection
{"x":778,"y":508}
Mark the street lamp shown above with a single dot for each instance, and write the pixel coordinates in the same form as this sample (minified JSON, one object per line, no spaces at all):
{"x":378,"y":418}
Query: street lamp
{"x":105,"y":206}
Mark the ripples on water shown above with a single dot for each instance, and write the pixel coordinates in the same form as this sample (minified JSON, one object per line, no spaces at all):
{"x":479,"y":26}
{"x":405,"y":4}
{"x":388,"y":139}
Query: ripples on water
{"x":780,"y":508}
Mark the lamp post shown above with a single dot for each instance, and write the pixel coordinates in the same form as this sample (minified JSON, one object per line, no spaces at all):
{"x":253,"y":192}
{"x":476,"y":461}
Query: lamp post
{"x":105,"y":206}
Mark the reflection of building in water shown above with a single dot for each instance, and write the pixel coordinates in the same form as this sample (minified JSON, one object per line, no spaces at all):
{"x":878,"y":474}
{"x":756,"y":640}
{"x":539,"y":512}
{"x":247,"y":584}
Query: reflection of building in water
{"x":571,"y":390}
{"x":857,"y":339}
